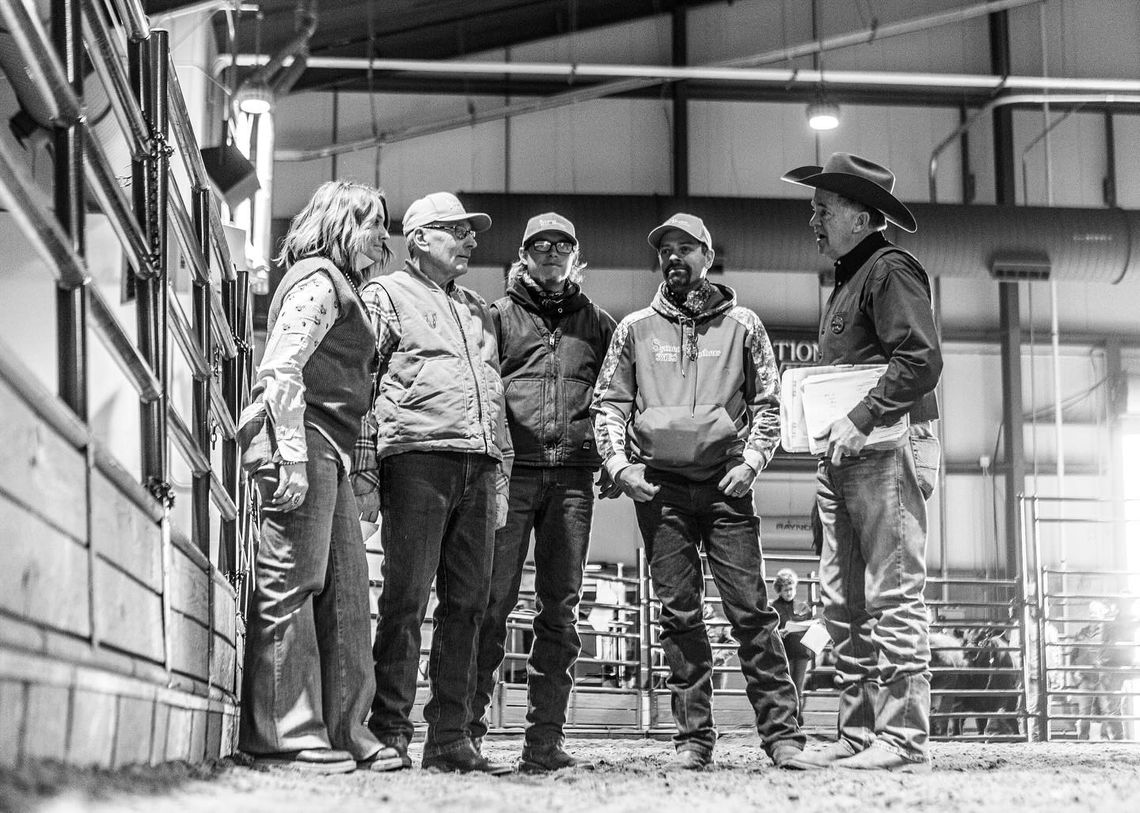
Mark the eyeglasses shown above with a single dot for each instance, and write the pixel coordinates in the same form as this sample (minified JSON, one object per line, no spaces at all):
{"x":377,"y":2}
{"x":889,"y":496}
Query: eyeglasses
{"x":543,"y":246}
{"x":459,"y":232}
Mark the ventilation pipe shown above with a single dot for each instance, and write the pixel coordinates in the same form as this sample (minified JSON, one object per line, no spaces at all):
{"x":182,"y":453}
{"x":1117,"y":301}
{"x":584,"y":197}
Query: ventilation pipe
{"x":771,"y":234}
{"x":275,"y":77}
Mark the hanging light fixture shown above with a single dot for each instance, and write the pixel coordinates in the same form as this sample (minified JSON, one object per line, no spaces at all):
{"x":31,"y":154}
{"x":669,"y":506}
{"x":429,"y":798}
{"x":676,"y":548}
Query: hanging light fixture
{"x":254,"y":97}
{"x":822,"y":114}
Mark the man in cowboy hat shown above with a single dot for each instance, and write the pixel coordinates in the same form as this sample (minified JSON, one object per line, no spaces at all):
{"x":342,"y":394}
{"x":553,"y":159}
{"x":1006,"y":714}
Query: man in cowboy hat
{"x":872,"y":500}
{"x":686,"y":411}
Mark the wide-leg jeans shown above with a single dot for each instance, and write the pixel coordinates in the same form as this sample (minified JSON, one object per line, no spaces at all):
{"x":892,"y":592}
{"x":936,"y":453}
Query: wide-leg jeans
{"x":682,"y":518}
{"x":438,"y":511}
{"x":557,"y":504}
{"x":308,"y":680}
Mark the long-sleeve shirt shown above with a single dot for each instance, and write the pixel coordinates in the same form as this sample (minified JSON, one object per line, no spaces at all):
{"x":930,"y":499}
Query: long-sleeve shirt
{"x":313,"y":308}
{"x":880,"y":312}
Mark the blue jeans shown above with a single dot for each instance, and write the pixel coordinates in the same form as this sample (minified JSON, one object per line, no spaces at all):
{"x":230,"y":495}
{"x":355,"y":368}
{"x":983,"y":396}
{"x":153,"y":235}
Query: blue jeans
{"x":438,"y":522}
{"x":873,"y":573}
{"x":557,"y":503}
{"x":675,"y":524}
{"x":307,"y":680}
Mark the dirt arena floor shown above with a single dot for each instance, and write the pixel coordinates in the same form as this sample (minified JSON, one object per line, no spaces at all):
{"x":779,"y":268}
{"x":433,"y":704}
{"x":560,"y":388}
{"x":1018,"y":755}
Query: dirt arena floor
{"x":629,"y":776}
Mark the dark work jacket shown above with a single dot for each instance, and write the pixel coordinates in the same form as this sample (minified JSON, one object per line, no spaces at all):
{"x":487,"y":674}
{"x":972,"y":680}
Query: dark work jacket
{"x":880,"y":313}
{"x":549,"y":363}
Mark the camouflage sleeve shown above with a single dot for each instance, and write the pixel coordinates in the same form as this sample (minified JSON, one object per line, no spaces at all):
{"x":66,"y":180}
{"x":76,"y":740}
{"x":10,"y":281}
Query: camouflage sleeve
{"x":614,"y":394}
{"x":761,"y":394}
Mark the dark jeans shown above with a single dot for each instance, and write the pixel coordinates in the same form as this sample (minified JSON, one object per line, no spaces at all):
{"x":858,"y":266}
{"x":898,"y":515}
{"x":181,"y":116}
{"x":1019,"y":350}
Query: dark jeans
{"x":683,"y":517}
{"x":557,"y":503}
{"x":438,"y":511}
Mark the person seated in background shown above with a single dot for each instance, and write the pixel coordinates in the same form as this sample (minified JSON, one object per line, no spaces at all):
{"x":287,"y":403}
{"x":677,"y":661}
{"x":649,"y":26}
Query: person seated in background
{"x":799,"y":656}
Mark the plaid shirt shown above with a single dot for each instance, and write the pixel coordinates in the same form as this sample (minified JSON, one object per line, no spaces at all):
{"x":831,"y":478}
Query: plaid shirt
{"x":365,"y":465}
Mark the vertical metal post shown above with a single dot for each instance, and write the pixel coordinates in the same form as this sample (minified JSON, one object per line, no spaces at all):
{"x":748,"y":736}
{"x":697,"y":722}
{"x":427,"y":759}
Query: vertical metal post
{"x":201,"y":302}
{"x":680,"y":93}
{"x":148,"y":64}
{"x":71,"y":304}
{"x":1042,"y":620}
{"x":645,"y":672}
{"x":231,"y":390}
{"x":1008,"y":305}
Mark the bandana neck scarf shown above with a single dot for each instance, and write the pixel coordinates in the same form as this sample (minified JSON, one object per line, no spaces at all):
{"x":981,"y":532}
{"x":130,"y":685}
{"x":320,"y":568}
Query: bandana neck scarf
{"x":693,"y":304}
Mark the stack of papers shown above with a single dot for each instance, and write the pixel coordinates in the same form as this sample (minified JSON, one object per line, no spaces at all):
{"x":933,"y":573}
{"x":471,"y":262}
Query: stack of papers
{"x":814,"y":398}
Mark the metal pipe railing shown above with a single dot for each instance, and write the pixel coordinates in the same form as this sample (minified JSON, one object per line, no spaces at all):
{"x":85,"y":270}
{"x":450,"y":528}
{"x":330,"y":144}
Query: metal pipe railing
{"x":184,"y":338}
{"x":117,"y":208}
{"x":108,"y":62}
{"x":43,"y":66}
{"x":133,"y":15}
{"x":123,"y":350}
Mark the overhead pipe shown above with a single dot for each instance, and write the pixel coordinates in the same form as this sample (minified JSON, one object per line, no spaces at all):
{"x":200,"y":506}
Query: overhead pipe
{"x":869,"y":34}
{"x":1018,"y":98}
{"x":282,"y":71}
{"x":1110,"y":91}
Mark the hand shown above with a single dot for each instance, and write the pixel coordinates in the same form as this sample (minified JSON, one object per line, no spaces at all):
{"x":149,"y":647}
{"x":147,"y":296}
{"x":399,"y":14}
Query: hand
{"x":607,"y":488}
{"x":737,"y":481}
{"x":369,"y":505}
{"x":501,"y":508}
{"x":292,"y":486}
{"x":844,"y":438}
{"x":632,"y":482}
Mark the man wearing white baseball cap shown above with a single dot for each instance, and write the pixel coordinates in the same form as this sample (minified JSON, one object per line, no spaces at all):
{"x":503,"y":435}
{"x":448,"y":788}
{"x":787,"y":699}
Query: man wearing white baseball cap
{"x":444,"y":455}
{"x":687,"y":413}
{"x":872,"y":501}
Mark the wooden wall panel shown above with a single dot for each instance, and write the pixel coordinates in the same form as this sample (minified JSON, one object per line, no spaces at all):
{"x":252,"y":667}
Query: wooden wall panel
{"x":123,"y":534}
{"x":44,"y":577}
{"x":128,"y":615}
{"x":189,"y":587}
{"x":39,"y":468}
{"x":189,"y":646}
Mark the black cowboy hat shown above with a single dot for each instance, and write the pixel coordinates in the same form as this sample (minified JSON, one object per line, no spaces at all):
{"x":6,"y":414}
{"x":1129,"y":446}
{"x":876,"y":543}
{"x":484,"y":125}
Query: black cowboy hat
{"x":859,"y":180}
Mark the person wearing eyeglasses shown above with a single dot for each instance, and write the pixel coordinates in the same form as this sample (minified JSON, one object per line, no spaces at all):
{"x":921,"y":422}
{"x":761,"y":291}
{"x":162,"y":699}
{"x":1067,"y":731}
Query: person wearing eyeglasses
{"x":552,"y":340}
{"x":444,"y":455}
{"x":687,"y":414}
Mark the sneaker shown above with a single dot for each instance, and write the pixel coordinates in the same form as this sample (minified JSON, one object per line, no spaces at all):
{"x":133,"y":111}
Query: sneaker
{"x":689,"y":759}
{"x":399,"y":744}
{"x":789,"y":757}
{"x":308,"y":760}
{"x":880,"y":759}
{"x":544,"y":758}
{"x":386,"y":759}
{"x":461,"y":757}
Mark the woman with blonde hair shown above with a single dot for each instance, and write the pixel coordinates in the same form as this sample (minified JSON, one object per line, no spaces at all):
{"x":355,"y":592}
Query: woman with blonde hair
{"x":308,"y":670}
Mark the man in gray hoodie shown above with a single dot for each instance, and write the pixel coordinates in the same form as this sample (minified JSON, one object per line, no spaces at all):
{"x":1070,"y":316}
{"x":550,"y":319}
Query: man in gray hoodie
{"x":686,"y":415}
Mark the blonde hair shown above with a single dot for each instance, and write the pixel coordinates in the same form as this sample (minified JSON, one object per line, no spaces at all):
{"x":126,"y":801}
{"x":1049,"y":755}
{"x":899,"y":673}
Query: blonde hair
{"x":518,"y":269}
{"x":336,"y":223}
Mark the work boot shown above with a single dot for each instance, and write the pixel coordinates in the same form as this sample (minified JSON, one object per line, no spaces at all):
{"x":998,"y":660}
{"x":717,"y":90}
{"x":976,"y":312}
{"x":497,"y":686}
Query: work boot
{"x":689,"y":759}
{"x":461,"y":757}
{"x":399,"y":744}
{"x":385,"y":759}
{"x":880,"y":759}
{"x":790,"y":757}
{"x":827,"y":755}
{"x":547,"y":757}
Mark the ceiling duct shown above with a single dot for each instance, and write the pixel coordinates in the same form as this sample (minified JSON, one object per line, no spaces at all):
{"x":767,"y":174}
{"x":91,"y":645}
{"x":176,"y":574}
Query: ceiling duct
{"x":771,"y":234}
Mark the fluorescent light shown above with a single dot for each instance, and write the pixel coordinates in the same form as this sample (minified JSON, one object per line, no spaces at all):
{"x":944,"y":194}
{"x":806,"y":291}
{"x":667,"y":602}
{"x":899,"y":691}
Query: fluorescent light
{"x":823,"y":115}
